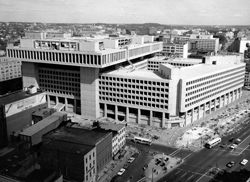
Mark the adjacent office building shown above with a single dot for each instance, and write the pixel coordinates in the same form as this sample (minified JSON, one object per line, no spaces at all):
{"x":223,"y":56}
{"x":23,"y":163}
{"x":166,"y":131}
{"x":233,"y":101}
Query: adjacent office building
{"x":10,"y":75}
{"x":79,"y":154}
{"x":118,"y":135}
{"x":16,"y":112}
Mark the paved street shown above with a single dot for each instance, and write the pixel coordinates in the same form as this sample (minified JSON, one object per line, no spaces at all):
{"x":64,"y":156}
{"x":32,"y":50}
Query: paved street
{"x":197,"y":166}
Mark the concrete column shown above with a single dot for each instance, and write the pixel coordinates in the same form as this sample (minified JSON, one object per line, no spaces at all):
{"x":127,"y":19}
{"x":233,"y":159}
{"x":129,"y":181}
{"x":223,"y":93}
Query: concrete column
{"x":30,"y":74}
{"x":127,"y":114}
{"x":139,"y":116}
{"x":66,"y":104}
{"x":29,"y":54}
{"x":89,"y":84}
{"x":163,"y":120}
{"x":75,"y":106}
{"x":186,"y":115}
{"x":210,"y":106}
{"x":151,"y":118}
{"x":116,"y":112}
{"x":105,"y":110}
{"x":199,"y":112}
{"x":215,"y":104}
{"x":192,"y":115}
{"x":49,"y":58}
{"x":48,"y":101}
{"x":57,"y":100}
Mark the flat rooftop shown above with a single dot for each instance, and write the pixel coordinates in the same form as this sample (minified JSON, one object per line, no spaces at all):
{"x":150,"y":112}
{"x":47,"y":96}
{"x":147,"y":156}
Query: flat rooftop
{"x":30,"y":131}
{"x":204,"y":69}
{"x":140,"y":74}
{"x":78,"y":135}
{"x":176,"y":60}
{"x":16,"y":96}
{"x":111,"y":126}
{"x":70,"y":147}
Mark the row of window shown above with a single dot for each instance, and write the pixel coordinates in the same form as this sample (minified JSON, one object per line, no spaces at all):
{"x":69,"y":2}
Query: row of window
{"x":137,"y":103}
{"x":103,"y":80}
{"x":233,"y":76}
{"x":212,"y":76}
{"x":124,"y":87}
{"x":217,"y":88}
{"x":56,"y":57}
{"x":211,"y":95}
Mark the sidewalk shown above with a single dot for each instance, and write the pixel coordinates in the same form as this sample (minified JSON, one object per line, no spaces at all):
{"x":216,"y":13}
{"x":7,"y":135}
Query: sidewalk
{"x":114,"y":166}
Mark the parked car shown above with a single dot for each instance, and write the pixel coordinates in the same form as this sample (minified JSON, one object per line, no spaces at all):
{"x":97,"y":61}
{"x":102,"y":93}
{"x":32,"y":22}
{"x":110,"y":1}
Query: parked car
{"x":237,"y":141}
{"x":131,"y":159}
{"x":126,"y":166}
{"x":233,"y":146}
{"x":122,"y":170}
{"x":135,"y":155}
{"x":244,"y":162}
{"x":230,"y":164}
{"x":231,"y":139}
{"x":223,"y":145}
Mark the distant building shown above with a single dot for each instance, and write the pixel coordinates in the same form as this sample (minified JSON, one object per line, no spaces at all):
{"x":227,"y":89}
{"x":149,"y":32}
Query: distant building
{"x":10,"y":75}
{"x":206,"y":42}
{"x":9,"y":69}
{"x":16,"y":112}
{"x":78,"y":154}
{"x":175,"y":50}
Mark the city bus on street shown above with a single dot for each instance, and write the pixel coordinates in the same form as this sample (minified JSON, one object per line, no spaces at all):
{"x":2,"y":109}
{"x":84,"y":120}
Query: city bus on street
{"x":210,"y":144}
{"x":141,"y":140}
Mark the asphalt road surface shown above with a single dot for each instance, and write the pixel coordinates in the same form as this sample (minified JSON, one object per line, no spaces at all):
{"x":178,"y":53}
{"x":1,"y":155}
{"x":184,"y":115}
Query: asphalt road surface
{"x":198,"y":167}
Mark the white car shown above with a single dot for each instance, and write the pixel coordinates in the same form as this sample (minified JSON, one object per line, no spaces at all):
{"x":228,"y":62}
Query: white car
{"x":233,"y":146}
{"x":244,"y":162}
{"x":122,"y":170}
{"x":131,"y":159}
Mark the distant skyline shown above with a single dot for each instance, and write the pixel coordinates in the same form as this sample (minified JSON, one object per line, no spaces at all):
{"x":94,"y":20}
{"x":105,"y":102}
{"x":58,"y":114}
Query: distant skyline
{"x":186,"y":12}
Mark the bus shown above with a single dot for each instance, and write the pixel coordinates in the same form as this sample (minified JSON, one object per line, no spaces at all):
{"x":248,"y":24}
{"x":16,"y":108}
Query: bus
{"x":141,"y":140}
{"x":213,"y":142}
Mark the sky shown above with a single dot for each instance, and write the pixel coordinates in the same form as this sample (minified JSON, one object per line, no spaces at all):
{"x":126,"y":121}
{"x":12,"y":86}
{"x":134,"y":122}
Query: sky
{"x":181,"y":12}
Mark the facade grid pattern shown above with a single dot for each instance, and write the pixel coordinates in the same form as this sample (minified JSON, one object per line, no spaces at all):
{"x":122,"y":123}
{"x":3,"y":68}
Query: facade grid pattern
{"x":131,"y":91}
{"x":60,"y":81}
{"x":9,"y":69}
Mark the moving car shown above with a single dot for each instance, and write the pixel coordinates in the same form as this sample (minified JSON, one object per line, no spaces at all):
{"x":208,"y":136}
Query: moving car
{"x":244,"y":162}
{"x":230,"y":164}
{"x":233,"y":146}
{"x":122,"y":170}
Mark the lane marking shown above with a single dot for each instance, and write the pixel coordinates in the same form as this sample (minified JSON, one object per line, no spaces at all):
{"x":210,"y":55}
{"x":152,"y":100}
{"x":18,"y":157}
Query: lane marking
{"x":176,"y":172}
{"x":190,"y":177}
{"x":183,"y":175}
{"x":189,"y":154}
{"x":175,"y":152}
{"x":204,"y":175}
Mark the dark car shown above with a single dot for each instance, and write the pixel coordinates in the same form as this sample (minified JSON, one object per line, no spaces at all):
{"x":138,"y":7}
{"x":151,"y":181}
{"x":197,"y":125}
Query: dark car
{"x":231,"y":139}
{"x":230,"y":164}
{"x":223,"y":145}
{"x":135,"y":155}
{"x":126,"y":166}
